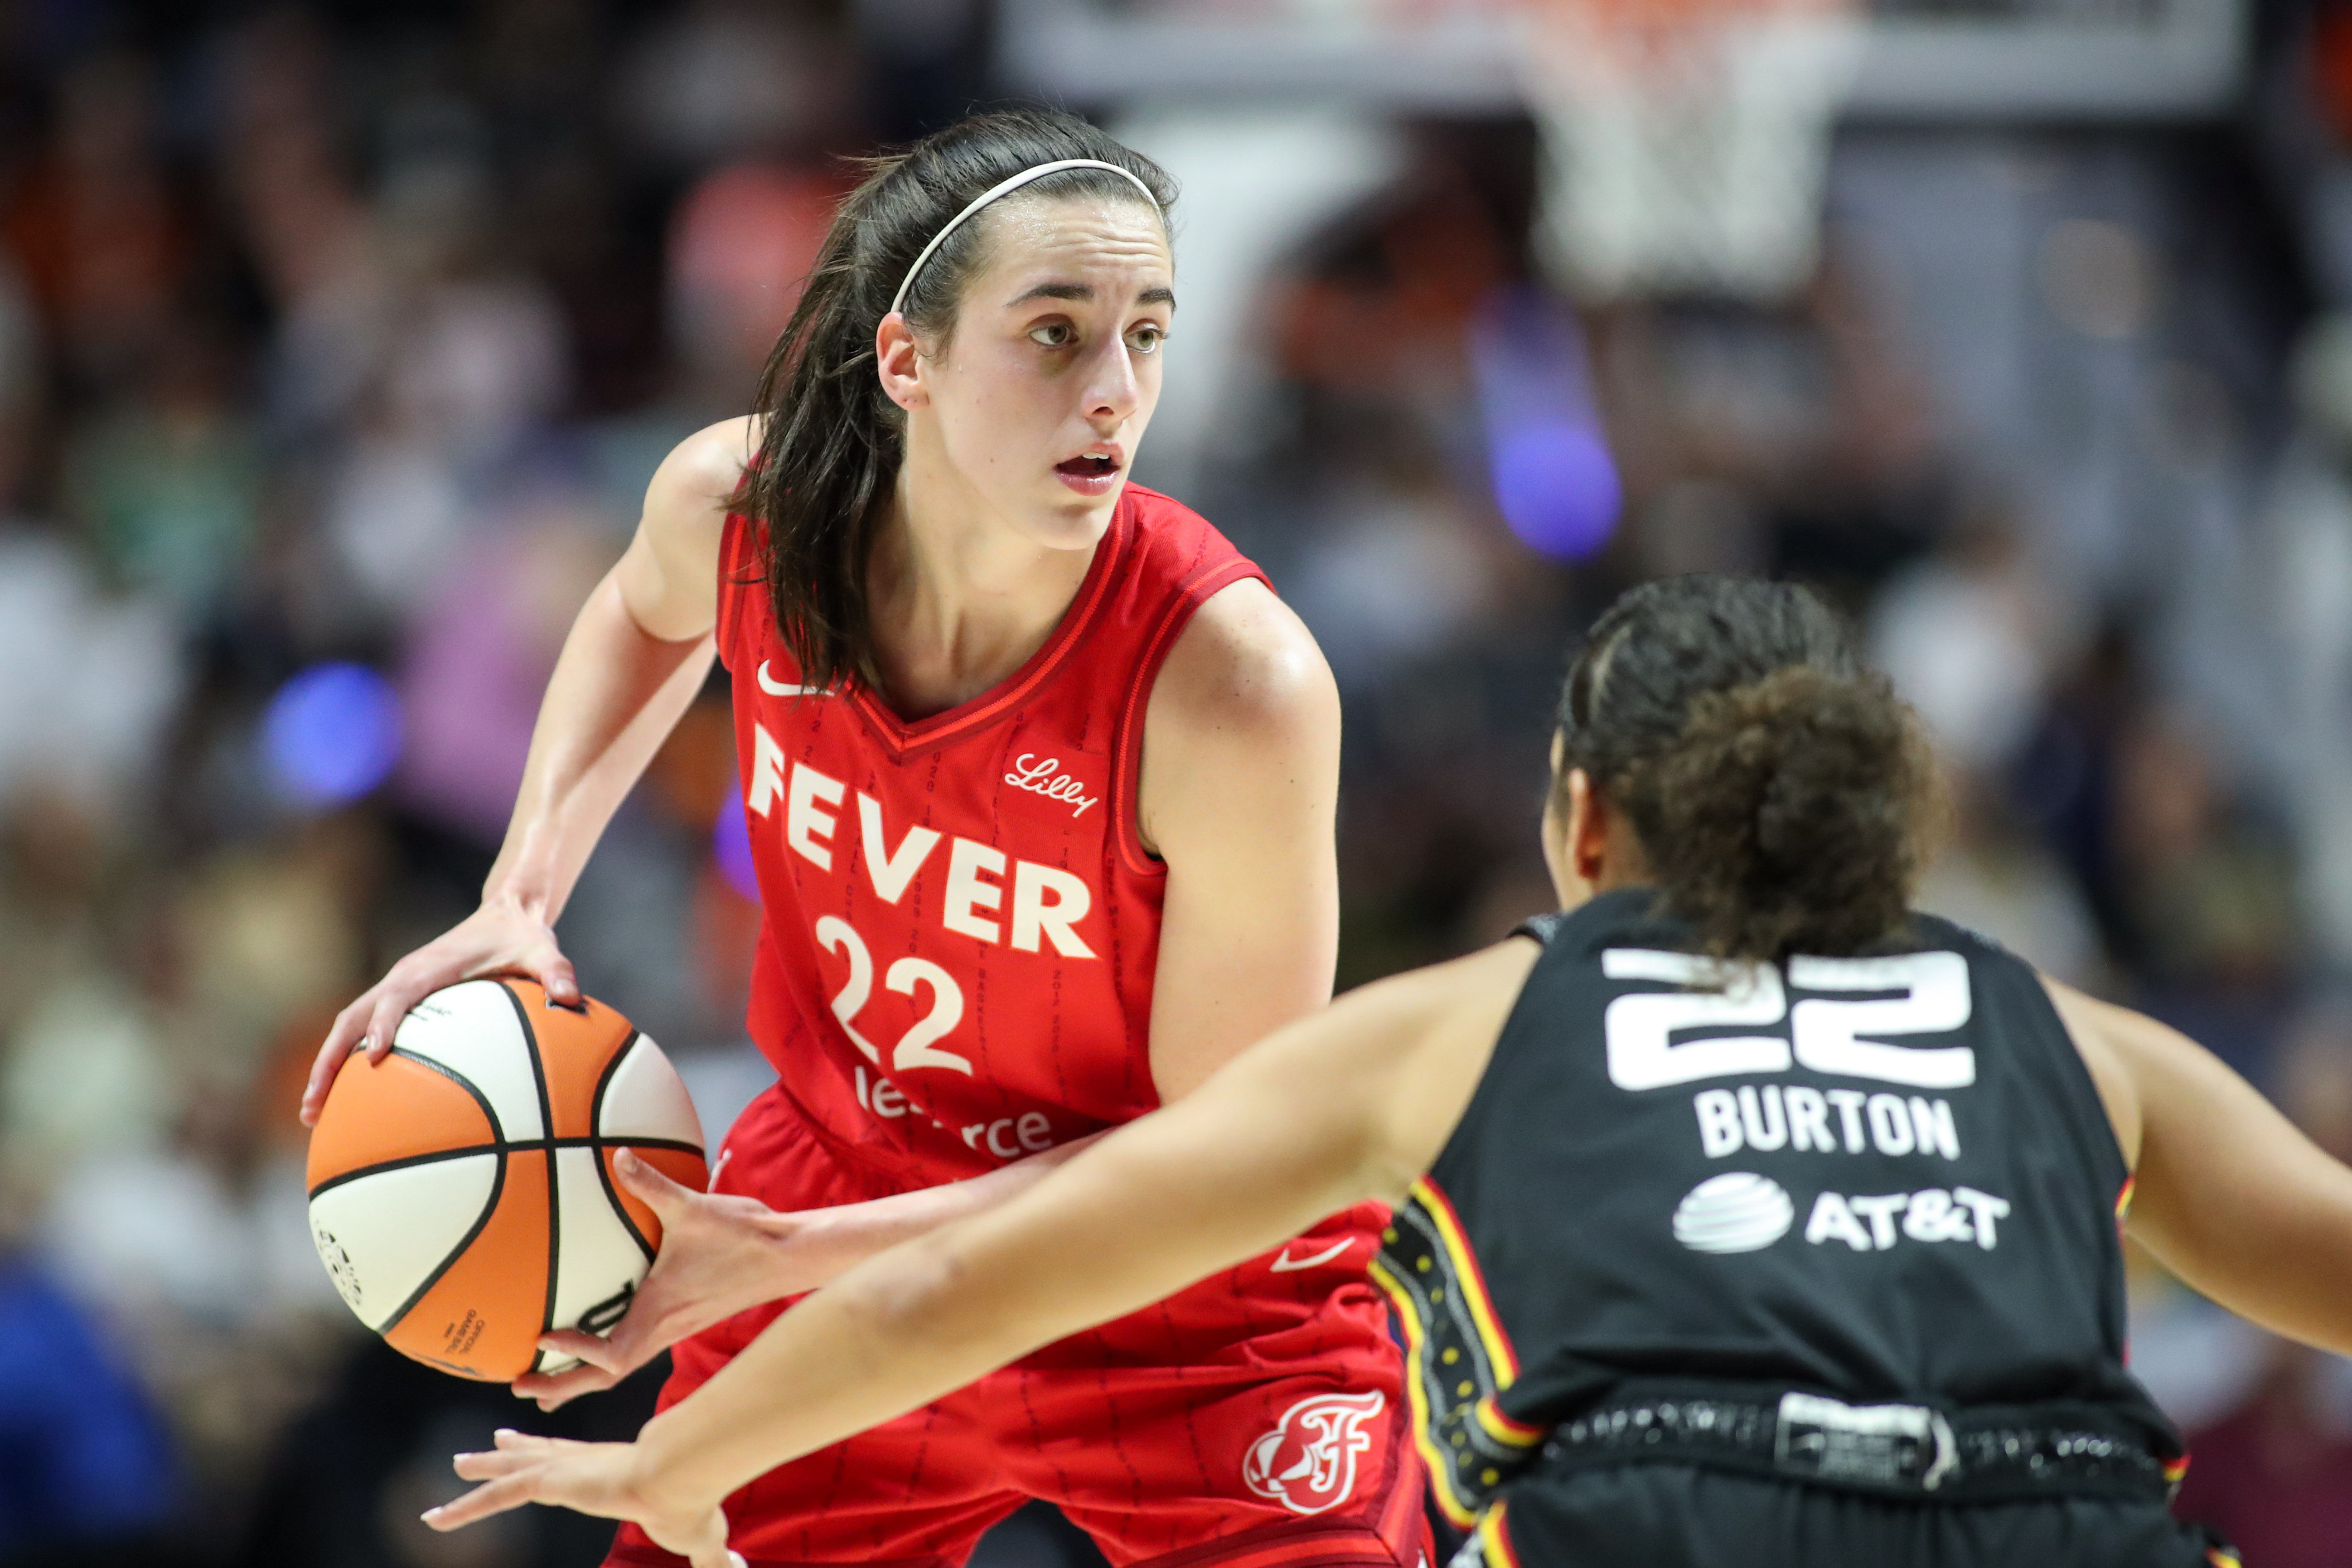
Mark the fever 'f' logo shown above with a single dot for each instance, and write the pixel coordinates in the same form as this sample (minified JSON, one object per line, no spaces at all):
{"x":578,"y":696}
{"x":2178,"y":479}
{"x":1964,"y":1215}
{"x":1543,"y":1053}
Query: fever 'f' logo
{"x":1308,"y":1463}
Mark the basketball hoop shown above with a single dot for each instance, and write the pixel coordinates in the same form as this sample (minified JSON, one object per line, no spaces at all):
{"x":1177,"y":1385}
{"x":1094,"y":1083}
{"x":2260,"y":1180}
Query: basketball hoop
{"x":1687,"y":141}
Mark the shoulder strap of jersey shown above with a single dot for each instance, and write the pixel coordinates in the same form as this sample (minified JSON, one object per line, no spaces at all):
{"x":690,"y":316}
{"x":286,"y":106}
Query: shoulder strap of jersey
{"x":1626,"y":910}
{"x":1194,"y":563}
{"x":1543,"y":927}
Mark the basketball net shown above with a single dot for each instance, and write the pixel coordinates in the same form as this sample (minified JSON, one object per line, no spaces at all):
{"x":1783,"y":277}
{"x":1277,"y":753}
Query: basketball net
{"x":1686,"y":141}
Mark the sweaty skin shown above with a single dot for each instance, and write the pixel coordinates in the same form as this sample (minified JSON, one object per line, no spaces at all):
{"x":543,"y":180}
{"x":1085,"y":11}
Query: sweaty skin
{"x":1352,"y":1103}
{"x":1054,"y":356}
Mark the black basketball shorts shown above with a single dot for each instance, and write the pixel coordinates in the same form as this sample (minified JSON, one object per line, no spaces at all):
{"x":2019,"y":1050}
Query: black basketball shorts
{"x":1681,"y":1516}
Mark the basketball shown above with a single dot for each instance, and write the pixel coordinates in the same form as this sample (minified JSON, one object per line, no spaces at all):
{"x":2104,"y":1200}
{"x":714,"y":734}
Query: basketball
{"x":462,"y":1191}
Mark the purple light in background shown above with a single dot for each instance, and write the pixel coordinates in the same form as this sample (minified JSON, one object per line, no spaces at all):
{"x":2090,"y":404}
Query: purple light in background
{"x":1555,"y":486}
{"x":731,"y":846}
{"x":1555,"y":482}
{"x":331,"y":734}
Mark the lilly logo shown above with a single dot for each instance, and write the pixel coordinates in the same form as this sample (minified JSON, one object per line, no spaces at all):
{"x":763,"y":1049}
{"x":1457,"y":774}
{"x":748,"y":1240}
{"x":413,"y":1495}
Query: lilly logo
{"x":1308,"y":1463}
{"x":1042,"y":778}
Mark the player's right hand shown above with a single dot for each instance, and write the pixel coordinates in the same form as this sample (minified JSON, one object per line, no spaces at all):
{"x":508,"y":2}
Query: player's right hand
{"x":499,"y":938}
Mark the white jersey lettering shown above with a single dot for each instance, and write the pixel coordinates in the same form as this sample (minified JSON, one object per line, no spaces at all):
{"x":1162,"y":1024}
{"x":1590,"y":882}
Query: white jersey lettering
{"x":767,"y":771}
{"x":804,"y":823}
{"x":1808,"y":1118}
{"x":1036,"y":913}
{"x":1934,"y":1215}
{"x":890,"y":873}
{"x":967,"y":894}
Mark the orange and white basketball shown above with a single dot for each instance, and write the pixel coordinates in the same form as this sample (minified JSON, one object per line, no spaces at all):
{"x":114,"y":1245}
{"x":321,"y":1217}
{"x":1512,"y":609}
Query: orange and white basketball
{"x":462,"y":1191}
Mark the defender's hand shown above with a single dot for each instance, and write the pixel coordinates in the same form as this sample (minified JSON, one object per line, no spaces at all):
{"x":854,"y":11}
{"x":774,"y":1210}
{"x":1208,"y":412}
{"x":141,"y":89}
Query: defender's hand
{"x":721,"y":1255}
{"x":498,"y":938}
{"x":599,"y":1479}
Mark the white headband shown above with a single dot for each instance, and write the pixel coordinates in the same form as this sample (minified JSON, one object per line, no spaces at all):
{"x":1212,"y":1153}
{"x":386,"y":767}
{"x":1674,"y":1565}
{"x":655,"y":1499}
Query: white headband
{"x":1006,"y":187}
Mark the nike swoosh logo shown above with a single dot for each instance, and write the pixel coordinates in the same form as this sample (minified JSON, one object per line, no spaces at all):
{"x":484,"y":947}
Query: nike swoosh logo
{"x":1284,"y":1263}
{"x":778,"y":688}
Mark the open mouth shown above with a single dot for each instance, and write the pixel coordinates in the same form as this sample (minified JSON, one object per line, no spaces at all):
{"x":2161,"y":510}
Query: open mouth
{"x":1090,"y":473}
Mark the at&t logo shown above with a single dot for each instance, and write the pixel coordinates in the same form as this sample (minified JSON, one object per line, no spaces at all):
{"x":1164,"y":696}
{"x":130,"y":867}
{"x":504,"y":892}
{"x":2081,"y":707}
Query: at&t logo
{"x":1308,"y":1463}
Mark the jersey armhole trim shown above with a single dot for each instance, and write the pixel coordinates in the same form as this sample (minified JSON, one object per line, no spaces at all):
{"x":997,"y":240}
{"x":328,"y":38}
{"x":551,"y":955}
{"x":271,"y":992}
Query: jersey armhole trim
{"x":2079,"y":1070}
{"x":1507,"y":1044}
{"x":1127,"y":741}
{"x":2114,"y":1309}
{"x":732,"y":588}
{"x":1542,"y":929}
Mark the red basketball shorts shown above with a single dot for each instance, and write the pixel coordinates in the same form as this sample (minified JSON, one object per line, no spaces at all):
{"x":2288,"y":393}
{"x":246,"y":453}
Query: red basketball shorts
{"x":1255,"y":1420}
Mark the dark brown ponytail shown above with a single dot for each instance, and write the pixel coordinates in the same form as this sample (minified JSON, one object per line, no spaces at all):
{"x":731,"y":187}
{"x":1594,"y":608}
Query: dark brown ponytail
{"x":830,"y":453}
{"x":1784,"y":796}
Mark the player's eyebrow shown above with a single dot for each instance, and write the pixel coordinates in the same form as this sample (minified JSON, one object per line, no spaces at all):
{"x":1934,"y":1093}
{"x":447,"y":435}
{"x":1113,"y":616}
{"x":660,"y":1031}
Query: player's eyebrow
{"x":1084,"y":293}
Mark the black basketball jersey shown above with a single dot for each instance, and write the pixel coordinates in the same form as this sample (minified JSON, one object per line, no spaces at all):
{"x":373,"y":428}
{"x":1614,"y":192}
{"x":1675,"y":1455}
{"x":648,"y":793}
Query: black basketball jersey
{"x":1879,"y":1178}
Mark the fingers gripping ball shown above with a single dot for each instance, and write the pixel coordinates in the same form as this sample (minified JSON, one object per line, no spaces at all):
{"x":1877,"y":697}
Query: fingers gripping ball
{"x":462,"y":1190}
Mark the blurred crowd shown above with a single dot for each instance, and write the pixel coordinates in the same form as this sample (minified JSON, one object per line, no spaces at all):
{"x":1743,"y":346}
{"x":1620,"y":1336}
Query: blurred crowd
{"x":337,"y":343}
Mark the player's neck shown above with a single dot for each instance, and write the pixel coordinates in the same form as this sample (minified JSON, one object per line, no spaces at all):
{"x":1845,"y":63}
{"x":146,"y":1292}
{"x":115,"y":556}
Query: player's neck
{"x":960,"y":601}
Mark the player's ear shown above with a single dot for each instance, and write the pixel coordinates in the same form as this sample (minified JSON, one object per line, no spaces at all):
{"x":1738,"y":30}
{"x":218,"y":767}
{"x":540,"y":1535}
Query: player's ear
{"x":1588,"y":824}
{"x":898,"y":360}
{"x":1575,"y":835}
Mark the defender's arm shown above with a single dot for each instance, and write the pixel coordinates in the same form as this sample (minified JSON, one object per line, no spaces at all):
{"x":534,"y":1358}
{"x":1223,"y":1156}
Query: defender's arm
{"x":1352,"y":1103}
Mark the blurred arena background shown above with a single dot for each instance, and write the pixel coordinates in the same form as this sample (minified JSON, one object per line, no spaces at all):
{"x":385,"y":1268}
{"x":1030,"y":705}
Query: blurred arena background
{"x":338,"y":341}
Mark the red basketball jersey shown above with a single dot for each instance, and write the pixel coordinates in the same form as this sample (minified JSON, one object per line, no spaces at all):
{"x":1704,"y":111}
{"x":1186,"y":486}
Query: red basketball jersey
{"x":959,"y":925}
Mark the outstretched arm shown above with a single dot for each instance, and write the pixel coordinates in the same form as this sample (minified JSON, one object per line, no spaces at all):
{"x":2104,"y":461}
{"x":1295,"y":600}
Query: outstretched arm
{"x":2226,"y":1193}
{"x":721,"y":1254}
{"x":1353,"y":1102}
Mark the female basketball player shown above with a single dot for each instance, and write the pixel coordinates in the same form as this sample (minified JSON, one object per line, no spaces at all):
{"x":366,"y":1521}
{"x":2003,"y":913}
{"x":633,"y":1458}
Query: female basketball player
{"x":1040,"y":779}
{"x":1747,"y":1218}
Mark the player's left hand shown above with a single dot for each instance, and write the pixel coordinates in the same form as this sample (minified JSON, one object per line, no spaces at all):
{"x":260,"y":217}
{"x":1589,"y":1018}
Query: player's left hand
{"x":719,"y":1254}
{"x":599,"y":1479}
